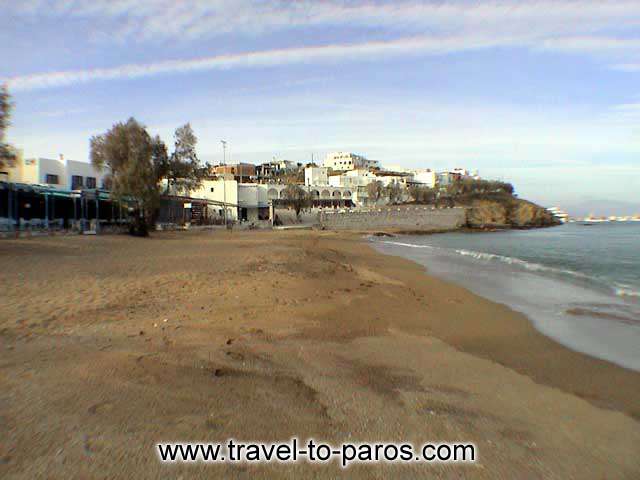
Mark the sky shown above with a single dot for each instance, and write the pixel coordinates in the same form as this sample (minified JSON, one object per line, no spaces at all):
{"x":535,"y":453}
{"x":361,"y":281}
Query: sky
{"x":545,"y":94}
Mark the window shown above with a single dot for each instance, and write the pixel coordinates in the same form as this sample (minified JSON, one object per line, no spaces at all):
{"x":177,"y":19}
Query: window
{"x":51,"y":179}
{"x":91,"y":182}
{"x":76,"y":182}
{"x":211,"y":189}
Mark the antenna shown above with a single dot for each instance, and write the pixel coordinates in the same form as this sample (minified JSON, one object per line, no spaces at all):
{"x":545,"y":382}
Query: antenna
{"x":224,"y":151}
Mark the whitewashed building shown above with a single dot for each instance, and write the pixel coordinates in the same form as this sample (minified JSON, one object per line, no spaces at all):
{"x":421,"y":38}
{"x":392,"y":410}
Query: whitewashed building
{"x":352,"y":179}
{"x":316,"y":176}
{"x":223,"y":191}
{"x":425,"y":177}
{"x":56,"y":173}
{"x":342,"y":161}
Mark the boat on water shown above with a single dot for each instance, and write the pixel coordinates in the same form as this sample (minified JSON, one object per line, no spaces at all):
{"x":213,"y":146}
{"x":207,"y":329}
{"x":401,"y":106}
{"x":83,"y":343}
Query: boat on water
{"x":559,"y":214}
{"x":590,"y":219}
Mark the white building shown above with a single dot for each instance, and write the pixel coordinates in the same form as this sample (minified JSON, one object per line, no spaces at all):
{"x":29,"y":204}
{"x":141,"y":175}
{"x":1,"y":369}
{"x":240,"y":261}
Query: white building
{"x":316,"y":176}
{"x":253,"y":204}
{"x":352,"y":179}
{"x":388,"y":177}
{"x":81,"y":175}
{"x":57,"y":173}
{"x":220,"y":190}
{"x":425,"y":177}
{"x":341,"y":162}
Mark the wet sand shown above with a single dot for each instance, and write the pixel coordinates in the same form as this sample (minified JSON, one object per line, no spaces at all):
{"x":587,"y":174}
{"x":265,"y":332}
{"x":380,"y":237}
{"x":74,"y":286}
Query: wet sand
{"x":111,"y":344}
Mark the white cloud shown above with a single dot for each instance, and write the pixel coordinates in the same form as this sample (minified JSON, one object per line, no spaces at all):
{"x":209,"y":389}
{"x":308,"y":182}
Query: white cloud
{"x":327,"y":53}
{"x":168,"y":19}
{"x":418,"y":45}
{"x":591,"y":44}
{"x":575,"y":27}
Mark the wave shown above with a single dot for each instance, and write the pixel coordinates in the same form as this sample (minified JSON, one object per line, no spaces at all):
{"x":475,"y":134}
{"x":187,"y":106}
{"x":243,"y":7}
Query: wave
{"x":626,"y":292}
{"x":410,"y":245}
{"x":536,"y":267}
{"x":619,"y":290}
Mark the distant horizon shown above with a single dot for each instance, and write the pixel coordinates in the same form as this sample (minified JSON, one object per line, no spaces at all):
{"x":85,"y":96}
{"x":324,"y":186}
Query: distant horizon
{"x":542,"y":94}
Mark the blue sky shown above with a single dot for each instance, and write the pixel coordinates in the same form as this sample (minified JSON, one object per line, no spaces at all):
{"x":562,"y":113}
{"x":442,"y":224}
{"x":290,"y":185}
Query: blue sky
{"x":545,"y":94}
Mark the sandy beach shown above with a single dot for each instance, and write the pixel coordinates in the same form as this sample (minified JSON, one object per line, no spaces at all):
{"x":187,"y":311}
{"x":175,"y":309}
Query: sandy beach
{"x":111,"y":344}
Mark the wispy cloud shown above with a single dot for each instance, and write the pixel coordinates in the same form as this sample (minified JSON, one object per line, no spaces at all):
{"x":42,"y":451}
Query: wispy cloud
{"x":148,"y":19}
{"x":591,"y":44}
{"x":167,"y":19}
{"x":326,"y":53}
{"x":592,"y":27}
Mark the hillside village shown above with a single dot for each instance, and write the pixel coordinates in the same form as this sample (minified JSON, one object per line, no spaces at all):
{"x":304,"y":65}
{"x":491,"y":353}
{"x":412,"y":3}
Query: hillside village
{"x":63,"y":193}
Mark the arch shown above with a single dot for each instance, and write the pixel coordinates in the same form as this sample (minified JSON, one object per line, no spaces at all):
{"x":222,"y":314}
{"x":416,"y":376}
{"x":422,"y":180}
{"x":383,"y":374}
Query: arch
{"x":337,"y":194}
{"x":272,"y":194}
{"x":326,"y":194}
{"x":315,"y":194}
{"x":347,"y":194}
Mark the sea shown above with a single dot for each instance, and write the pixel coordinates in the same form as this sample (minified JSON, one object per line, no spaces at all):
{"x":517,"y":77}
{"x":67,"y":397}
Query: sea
{"x":578,"y":284}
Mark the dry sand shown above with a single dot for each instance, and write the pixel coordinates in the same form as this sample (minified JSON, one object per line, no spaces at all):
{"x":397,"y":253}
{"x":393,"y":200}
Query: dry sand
{"x":274,"y":334}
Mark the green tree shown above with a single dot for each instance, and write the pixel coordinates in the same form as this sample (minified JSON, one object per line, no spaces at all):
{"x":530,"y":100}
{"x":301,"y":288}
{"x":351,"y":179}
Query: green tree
{"x":127,"y":151}
{"x":393,"y":192}
{"x":375,"y":190}
{"x":183,"y":170}
{"x":7,"y":152}
{"x":422,"y":194}
{"x":472,"y":186}
{"x":296,"y":197}
{"x":159,"y":157}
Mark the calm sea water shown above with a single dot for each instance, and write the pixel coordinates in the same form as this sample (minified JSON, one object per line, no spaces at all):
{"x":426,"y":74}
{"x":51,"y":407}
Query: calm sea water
{"x":579,"y":285}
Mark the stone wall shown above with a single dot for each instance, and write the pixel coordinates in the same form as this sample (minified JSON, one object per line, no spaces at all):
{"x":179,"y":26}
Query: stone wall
{"x":401,"y":217}
{"x":287,"y":216}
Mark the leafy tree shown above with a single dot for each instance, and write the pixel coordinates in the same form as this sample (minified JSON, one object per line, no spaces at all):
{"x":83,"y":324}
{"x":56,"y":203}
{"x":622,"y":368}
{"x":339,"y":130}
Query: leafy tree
{"x":296,"y":196}
{"x":422,"y":194}
{"x":160,"y":158}
{"x":7,"y":152}
{"x":375,"y":191}
{"x":471,"y":186}
{"x":296,"y":176}
{"x":393,"y":191}
{"x":127,"y":151}
{"x":183,"y":170}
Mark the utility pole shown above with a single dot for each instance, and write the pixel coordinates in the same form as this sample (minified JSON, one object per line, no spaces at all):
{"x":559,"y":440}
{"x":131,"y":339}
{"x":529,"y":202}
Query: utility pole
{"x":224,"y":152}
{"x":224,"y":179}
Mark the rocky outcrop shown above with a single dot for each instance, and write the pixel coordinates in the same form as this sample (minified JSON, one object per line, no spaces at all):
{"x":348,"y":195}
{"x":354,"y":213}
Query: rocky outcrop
{"x":505,"y":211}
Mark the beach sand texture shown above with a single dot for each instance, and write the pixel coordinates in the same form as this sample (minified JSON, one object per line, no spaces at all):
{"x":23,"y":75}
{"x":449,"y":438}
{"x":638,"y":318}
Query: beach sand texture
{"x":111,"y":344}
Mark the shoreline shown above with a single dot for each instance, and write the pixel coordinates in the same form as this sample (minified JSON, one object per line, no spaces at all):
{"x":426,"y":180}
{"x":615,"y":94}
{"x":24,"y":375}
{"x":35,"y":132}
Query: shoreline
{"x":521,"y":346}
{"x":204,"y":336}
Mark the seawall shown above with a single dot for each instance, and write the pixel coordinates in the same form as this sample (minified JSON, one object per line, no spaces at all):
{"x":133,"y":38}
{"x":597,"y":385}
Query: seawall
{"x":401,"y":217}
